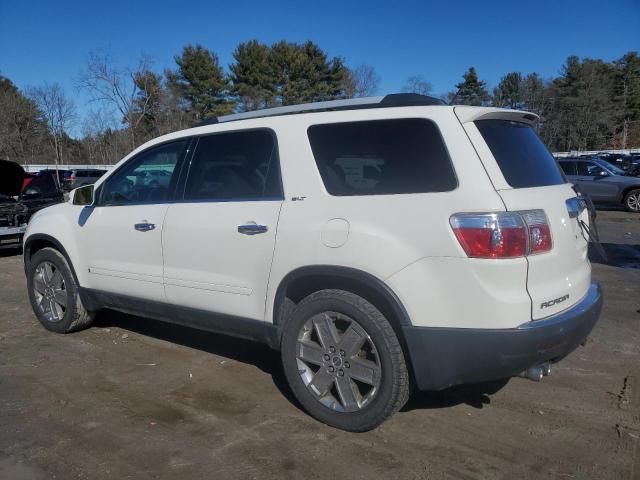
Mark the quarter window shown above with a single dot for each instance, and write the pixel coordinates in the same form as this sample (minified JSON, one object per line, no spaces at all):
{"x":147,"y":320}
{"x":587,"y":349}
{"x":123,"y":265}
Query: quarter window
{"x":146,"y":178}
{"x":382,"y":157}
{"x":235,"y":166}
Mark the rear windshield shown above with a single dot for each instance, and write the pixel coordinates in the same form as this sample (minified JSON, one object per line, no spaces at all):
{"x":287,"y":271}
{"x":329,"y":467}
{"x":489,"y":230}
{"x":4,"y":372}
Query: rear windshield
{"x":524,"y":160}
{"x":382,"y":157}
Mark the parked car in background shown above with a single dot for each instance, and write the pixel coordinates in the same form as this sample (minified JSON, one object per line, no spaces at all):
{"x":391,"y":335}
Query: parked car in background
{"x":391,"y":243}
{"x":603,"y":182}
{"x":80,"y":177}
{"x":62,"y":175}
{"x":27,"y":178}
{"x":629,"y":163}
{"x":17,"y":205}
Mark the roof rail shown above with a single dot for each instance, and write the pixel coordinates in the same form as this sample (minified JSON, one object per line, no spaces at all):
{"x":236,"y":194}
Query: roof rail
{"x":391,"y":100}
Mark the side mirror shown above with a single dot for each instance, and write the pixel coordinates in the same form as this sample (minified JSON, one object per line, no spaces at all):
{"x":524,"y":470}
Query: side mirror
{"x":604,"y":174}
{"x":83,"y":195}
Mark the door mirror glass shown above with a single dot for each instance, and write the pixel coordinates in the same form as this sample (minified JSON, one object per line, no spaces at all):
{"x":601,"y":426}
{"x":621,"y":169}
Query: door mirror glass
{"x":83,"y":195}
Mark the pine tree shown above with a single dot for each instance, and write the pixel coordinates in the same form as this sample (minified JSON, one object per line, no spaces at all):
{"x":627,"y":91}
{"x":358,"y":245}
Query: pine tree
{"x":472,"y":90}
{"x":627,"y":99}
{"x":508,"y":92}
{"x":253,"y":76}
{"x":304,"y":74}
{"x":202,"y":82}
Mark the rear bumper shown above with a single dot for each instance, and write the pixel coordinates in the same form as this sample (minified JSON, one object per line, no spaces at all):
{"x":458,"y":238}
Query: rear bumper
{"x":442,"y":357}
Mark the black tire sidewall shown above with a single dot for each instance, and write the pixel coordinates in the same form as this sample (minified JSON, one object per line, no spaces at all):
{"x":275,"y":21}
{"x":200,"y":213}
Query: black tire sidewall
{"x":372,"y":414}
{"x":70,"y":314}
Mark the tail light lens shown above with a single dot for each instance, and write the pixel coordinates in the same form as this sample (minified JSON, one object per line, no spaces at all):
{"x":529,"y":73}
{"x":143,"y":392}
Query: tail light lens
{"x":539,"y":231}
{"x":503,"y":234}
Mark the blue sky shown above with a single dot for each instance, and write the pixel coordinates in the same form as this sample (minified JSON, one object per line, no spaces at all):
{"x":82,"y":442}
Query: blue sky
{"x":47,"y":41}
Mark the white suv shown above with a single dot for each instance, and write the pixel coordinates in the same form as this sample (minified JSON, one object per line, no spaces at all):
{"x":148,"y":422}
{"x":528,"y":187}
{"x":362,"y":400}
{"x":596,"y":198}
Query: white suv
{"x":380,"y":244}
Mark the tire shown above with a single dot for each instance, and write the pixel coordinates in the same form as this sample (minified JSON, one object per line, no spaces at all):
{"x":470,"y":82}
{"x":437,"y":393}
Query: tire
{"x":336,"y":381}
{"x":54,"y":294}
{"x":632,"y":201}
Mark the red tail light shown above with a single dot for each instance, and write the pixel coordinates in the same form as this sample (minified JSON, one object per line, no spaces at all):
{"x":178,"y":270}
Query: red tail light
{"x":539,"y":231}
{"x":503,"y":234}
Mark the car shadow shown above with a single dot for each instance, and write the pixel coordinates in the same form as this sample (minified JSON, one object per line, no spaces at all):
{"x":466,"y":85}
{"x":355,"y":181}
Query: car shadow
{"x":476,"y":395}
{"x":617,"y":255}
{"x":268,"y":360}
{"x":238,"y":349}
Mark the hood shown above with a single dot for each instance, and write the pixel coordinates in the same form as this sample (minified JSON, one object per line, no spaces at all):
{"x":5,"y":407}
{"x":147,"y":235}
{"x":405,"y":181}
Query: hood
{"x":627,"y":180}
{"x":11,"y":177}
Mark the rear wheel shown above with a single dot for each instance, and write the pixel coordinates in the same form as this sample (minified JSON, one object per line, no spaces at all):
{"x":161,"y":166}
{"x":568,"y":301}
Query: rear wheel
{"x":632,"y":201}
{"x":53,"y":293}
{"x":343,"y":361}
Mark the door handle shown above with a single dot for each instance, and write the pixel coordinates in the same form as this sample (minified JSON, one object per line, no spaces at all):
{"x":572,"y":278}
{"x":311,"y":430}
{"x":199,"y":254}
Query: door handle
{"x":144,"y":226}
{"x":252,"y":229}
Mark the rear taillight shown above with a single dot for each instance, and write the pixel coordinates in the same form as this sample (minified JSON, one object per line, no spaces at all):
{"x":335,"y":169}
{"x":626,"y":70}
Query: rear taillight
{"x":502,"y":234}
{"x":539,"y":231}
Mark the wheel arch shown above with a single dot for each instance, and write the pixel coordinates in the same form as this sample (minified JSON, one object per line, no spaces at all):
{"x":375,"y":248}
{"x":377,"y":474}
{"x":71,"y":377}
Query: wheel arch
{"x":37,"y":242}
{"x":626,"y":190}
{"x":303,"y":281}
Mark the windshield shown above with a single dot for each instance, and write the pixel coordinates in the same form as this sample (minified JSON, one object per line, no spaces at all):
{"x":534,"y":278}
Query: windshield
{"x":611,"y":168}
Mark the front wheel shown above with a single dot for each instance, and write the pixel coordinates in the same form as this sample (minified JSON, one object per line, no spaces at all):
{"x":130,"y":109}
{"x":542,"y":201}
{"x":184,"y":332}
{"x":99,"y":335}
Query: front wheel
{"x":53,"y":293}
{"x":632,"y":201}
{"x":343,"y":361}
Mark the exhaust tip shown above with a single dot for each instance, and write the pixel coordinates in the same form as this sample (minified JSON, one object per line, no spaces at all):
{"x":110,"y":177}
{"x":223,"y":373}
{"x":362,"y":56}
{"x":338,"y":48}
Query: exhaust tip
{"x":533,"y":373}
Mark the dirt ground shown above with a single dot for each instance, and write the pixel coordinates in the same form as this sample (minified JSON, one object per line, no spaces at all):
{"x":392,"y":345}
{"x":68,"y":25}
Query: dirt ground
{"x":131,"y":398}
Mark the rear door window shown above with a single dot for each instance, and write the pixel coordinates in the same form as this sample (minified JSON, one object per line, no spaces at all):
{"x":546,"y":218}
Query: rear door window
{"x":382,"y":157}
{"x":569,"y":168}
{"x":235,"y":166}
{"x":523,"y":158}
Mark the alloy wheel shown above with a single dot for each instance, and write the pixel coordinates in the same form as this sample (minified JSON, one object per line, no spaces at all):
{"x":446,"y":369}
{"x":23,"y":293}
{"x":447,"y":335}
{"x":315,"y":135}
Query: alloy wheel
{"x":50,"y":292}
{"x":338,"y":362}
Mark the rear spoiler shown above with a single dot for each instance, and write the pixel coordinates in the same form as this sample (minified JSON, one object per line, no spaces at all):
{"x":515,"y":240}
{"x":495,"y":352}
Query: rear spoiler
{"x":471,"y":114}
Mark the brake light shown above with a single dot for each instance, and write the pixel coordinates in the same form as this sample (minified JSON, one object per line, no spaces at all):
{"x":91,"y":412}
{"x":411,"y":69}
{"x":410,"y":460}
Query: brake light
{"x":539,"y":231}
{"x":502,"y":234}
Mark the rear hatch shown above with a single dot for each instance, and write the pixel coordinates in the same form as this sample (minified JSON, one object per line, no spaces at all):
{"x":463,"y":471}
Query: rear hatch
{"x":527,"y":177}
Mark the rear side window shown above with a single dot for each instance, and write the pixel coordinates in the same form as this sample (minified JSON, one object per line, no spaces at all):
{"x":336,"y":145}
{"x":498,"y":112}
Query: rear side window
{"x":382,"y":157}
{"x":235,"y":166}
{"x":523,"y":158}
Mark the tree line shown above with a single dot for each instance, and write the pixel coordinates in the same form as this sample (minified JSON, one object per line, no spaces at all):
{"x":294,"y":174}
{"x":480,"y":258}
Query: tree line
{"x":591,"y":104}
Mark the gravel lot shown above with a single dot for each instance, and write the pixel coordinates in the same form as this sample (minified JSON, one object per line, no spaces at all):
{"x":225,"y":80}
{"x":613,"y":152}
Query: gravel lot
{"x":133,"y":398}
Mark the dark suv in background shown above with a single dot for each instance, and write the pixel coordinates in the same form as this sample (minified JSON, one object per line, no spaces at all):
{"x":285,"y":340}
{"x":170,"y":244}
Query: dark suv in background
{"x":603,"y":182}
{"x":77,"y":178}
{"x":17,"y":205}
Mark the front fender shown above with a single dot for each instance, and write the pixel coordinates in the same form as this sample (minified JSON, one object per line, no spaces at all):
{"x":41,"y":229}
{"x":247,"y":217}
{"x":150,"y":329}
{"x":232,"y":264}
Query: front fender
{"x":57,"y":225}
